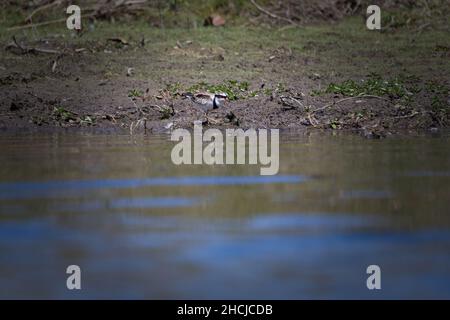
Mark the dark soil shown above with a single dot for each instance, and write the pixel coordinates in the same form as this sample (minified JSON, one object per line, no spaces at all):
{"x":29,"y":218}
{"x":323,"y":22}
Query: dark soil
{"x":87,"y":84}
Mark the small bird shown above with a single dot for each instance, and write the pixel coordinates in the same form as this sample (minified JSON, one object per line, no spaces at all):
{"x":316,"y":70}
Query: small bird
{"x":207,"y":101}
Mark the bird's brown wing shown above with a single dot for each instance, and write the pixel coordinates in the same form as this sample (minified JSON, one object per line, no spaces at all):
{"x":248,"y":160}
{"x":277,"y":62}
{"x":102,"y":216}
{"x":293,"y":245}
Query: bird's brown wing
{"x":203,"y":95}
{"x":203,"y":98}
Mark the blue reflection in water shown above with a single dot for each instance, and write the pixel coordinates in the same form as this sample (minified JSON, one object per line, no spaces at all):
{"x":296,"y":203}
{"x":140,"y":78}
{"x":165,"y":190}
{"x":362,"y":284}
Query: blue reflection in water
{"x":123,"y":203}
{"x":275,"y":256}
{"x":159,"y":202}
{"x":292,"y":221}
{"x":24,"y":190}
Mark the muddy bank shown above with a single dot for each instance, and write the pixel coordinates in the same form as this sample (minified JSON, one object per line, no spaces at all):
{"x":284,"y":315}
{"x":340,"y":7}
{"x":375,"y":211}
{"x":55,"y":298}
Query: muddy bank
{"x":122,"y":79}
{"x":96,"y":105}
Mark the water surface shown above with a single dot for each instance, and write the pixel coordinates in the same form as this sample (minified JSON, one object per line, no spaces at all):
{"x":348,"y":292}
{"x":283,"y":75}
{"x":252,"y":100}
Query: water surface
{"x":141,"y":227}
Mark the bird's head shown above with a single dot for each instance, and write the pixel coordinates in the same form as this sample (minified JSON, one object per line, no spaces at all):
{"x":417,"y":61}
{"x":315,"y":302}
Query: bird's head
{"x":221,"y":97}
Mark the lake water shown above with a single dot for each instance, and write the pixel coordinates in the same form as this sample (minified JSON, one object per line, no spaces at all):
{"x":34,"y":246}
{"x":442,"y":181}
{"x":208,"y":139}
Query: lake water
{"x":140,"y":227}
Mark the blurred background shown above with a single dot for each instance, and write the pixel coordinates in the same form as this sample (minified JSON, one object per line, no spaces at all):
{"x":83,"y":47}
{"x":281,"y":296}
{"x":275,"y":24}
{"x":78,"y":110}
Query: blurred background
{"x":86,"y":176}
{"x":188,"y":14}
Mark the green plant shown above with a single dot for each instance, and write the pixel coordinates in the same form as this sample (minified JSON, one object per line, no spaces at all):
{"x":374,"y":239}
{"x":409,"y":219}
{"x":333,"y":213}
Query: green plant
{"x":63,"y":115}
{"x":173,"y":88}
{"x":440,"y":108}
{"x":280,"y":87}
{"x":88,"y":120}
{"x":166,"y":112}
{"x":335,"y":124}
{"x":135,"y":93}
{"x":373,"y":85}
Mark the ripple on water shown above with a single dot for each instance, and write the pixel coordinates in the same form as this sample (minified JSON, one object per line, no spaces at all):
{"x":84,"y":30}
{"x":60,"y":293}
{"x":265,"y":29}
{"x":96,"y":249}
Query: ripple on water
{"x":27,"y":190}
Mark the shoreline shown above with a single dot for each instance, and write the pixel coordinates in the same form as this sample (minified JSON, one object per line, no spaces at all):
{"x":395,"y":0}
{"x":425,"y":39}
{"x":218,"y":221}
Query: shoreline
{"x":284,"y":132}
{"x":291,"y":79}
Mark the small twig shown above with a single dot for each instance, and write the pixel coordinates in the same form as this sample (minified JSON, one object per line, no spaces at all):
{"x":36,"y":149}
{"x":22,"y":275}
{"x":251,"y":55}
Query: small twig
{"x":17,"y":43}
{"x":270,"y":14}
{"x":292,"y":98}
{"x":310,"y":118}
{"x":356,"y":7}
{"x":346,"y":99}
{"x":136,"y":125}
{"x":131,"y":2}
{"x":414,"y":113}
{"x":157,"y":107}
{"x":55,"y":64}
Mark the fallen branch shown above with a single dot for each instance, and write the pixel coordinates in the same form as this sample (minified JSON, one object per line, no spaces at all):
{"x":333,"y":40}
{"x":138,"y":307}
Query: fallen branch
{"x":270,"y":14}
{"x":44,"y":23}
{"x":16,"y":44}
{"x":40,"y":24}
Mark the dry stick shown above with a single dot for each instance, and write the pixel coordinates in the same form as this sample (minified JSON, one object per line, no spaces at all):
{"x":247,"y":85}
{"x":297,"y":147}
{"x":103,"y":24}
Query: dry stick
{"x":346,"y":99}
{"x":44,"y":23}
{"x":356,"y":7}
{"x":131,"y":2}
{"x":17,"y":43}
{"x":414,"y":113}
{"x":311,"y":114}
{"x":292,"y":98}
{"x":157,"y":107}
{"x":27,"y":49}
{"x":310,"y":118}
{"x":270,"y":14}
